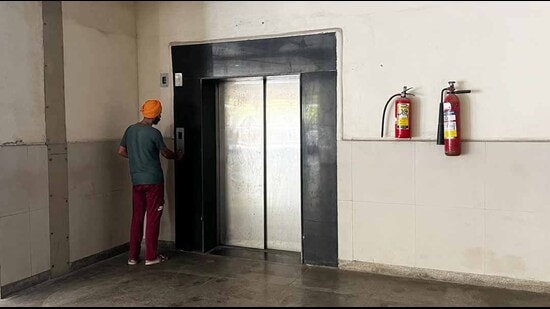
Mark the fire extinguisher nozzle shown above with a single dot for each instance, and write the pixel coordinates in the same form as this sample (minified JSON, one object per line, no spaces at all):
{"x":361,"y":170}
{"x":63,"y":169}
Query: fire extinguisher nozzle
{"x":462,"y":91}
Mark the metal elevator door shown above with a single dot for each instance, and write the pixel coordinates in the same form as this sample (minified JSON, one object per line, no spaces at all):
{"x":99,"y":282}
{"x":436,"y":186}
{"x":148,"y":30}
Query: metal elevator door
{"x":260,"y":175}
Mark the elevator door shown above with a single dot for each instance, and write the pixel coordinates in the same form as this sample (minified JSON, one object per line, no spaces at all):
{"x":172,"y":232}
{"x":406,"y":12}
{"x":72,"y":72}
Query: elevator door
{"x":260,"y":163}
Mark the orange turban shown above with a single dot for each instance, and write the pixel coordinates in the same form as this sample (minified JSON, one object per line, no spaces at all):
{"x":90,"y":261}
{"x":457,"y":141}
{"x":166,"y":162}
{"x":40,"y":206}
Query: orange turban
{"x":151,"y":109}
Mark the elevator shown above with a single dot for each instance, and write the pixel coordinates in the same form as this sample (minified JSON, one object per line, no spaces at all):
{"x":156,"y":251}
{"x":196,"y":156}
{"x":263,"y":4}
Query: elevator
{"x":257,"y":122}
{"x":260,"y":172}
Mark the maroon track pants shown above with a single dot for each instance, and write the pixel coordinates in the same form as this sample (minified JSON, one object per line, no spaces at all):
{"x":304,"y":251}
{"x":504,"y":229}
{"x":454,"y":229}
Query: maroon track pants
{"x":150,"y":199}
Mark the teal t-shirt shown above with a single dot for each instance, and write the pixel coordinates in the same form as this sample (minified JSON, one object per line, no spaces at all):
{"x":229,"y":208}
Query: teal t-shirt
{"x":143,"y":144}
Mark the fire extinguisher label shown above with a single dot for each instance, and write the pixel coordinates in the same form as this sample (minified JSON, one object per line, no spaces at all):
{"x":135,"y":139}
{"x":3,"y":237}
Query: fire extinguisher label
{"x":402,"y":120}
{"x":450,"y":129}
{"x":449,"y":125}
{"x":449,"y":117}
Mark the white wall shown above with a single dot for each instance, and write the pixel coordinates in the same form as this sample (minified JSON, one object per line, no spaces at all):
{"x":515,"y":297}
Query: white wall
{"x":398,"y":201}
{"x":24,"y":213}
{"x":100,"y":69}
{"x":485,"y":212}
{"x":100,"y":57}
{"x":101,"y":97}
{"x":22,"y":73}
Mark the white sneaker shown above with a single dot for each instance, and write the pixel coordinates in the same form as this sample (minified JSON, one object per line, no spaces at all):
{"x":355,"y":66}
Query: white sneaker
{"x":160,"y":258}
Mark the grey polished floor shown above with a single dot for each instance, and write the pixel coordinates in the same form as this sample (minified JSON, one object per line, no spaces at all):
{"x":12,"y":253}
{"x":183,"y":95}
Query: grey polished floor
{"x":189,"y":279}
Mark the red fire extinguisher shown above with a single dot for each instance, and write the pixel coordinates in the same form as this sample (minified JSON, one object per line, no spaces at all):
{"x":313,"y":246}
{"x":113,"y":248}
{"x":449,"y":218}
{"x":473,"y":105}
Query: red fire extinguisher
{"x":448,"y":131}
{"x":402,"y":114}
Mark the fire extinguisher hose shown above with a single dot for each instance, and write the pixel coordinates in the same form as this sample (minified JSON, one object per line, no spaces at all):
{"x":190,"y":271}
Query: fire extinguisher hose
{"x":440,"y":140}
{"x":384,"y":113}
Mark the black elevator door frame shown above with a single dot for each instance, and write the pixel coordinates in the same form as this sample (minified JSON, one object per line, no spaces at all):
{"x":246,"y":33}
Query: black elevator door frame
{"x":311,"y":56}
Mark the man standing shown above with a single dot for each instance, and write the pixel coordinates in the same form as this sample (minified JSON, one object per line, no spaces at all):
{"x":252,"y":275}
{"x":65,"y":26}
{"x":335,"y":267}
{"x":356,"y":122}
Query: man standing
{"x":141,"y":144}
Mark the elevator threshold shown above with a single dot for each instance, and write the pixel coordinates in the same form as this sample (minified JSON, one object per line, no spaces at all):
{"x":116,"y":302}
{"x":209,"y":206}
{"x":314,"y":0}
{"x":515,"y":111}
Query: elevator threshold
{"x":269,"y":255}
